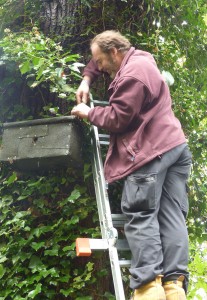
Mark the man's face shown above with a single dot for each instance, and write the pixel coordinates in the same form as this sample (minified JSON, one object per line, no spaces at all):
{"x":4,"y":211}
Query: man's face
{"x":108,"y":63}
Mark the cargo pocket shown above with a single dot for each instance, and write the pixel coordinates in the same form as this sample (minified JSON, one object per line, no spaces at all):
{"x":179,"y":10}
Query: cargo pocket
{"x":139,"y":194}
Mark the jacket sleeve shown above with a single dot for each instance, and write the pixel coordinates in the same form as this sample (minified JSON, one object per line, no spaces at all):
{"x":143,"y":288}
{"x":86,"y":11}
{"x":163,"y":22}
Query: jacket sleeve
{"x":125,"y":105}
{"x":91,"y":70}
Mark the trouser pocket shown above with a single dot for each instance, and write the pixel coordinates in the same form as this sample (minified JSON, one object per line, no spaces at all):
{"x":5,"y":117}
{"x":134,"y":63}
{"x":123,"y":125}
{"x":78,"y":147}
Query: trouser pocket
{"x":139,"y":193}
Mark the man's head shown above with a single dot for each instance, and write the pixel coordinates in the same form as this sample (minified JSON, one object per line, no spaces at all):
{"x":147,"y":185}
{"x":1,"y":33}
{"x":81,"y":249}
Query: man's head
{"x":108,"y":50}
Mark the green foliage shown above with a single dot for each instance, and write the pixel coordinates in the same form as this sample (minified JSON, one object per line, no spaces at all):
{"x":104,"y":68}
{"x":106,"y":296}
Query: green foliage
{"x":39,"y":218}
{"x":198,"y":269}
{"x":17,"y":14}
{"x":42,"y":60}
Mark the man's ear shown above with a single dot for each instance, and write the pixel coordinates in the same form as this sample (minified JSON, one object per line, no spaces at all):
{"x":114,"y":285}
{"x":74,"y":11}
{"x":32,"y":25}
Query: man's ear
{"x":114,"y":51}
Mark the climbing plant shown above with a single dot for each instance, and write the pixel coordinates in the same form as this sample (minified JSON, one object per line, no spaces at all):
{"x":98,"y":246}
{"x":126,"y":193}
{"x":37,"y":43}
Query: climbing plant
{"x":39,"y":218}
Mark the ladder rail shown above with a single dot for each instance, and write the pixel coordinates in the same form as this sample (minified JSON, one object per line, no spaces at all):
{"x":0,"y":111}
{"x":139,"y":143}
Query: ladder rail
{"x":105,"y":217}
{"x":100,"y":187}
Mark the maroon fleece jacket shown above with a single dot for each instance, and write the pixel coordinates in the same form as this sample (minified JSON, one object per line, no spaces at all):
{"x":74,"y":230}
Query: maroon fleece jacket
{"x":139,"y":116}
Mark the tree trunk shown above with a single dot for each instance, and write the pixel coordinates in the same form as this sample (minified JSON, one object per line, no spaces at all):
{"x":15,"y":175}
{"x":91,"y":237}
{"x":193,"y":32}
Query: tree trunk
{"x":64,"y":20}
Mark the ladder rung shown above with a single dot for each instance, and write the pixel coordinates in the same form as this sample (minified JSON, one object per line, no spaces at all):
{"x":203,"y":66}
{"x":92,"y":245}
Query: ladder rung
{"x":125,"y":263}
{"x":122,"y":244}
{"x":98,"y":244}
{"x":103,"y":143}
{"x":118,"y":220}
{"x":104,"y":139}
{"x":104,"y":136}
{"x":119,"y":217}
{"x":100,"y":103}
{"x":84,"y":246}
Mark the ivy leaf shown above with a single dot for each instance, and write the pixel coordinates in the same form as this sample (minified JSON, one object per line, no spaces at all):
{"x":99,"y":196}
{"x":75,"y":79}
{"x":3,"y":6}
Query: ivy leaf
{"x":2,"y":271}
{"x":73,"y":220}
{"x":11,"y":179}
{"x":41,"y":230}
{"x":69,"y":248}
{"x":37,"y":246}
{"x":3,"y":258}
{"x":53,"y":252}
{"x":73,"y":196}
{"x":35,"y":292}
{"x":35,"y":263}
{"x":66,"y":292}
{"x":90,"y":266}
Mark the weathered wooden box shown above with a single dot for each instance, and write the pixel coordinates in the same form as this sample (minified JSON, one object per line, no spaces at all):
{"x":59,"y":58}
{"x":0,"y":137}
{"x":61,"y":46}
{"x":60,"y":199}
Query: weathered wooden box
{"x":42,"y":144}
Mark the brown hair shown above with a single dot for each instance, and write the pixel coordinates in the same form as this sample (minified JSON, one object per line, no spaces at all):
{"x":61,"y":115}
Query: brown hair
{"x":111,"y":39}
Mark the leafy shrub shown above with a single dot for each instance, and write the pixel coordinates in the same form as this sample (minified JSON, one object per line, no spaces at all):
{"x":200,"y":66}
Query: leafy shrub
{"x":43,"y":61}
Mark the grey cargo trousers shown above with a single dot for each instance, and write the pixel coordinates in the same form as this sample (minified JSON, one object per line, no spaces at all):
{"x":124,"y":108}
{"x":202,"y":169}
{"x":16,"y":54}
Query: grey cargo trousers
{"x":154,"y":199}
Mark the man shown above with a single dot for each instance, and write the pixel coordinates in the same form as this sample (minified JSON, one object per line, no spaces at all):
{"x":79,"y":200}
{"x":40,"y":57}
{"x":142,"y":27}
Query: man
{"x":148,"y":150}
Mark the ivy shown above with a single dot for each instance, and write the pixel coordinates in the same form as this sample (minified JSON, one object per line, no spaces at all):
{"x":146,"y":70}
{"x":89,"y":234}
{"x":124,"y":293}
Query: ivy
{"x":39,"y":218}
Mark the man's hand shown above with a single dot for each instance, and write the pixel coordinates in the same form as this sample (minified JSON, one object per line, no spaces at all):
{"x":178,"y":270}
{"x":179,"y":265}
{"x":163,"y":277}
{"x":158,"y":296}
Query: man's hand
{"x":82,"y":94}
{"x":81,"y":111}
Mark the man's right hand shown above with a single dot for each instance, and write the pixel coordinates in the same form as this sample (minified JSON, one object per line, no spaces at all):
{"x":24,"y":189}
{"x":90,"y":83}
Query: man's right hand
{"x":82,"y":94}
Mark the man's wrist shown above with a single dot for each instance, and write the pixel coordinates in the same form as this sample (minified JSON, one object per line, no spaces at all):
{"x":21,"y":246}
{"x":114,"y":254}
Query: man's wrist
{"x":86,"y":81}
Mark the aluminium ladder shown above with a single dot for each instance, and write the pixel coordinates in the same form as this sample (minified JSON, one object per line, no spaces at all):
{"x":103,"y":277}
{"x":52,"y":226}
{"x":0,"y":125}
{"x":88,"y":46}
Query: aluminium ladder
{"x":108,"y":221}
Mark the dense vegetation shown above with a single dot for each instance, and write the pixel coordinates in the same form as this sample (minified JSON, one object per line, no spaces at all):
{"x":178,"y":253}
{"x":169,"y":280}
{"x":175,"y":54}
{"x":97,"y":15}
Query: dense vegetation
{"x":42,"y":214}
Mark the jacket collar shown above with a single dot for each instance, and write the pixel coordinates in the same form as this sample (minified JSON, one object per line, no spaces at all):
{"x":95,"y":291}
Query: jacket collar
{"x":124,"y":62}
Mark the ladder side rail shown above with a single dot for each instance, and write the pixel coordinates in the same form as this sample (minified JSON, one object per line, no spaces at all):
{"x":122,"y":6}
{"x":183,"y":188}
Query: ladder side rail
{"x":100,"y":187}
{"x":105,"y":216}
{"x":99,"y":196}
{"x":116,"y":273}
{"x":100,"y":183}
